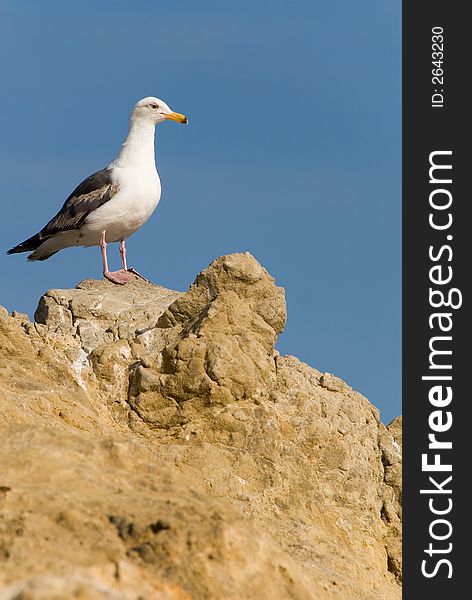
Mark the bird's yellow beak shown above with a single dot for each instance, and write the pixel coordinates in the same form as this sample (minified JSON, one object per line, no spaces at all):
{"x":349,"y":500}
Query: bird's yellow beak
{"x":174,"y":116}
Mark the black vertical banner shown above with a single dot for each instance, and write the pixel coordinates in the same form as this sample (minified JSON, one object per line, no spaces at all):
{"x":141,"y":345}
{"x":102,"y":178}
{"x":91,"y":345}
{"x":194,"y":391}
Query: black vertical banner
{"x":436,"y":308}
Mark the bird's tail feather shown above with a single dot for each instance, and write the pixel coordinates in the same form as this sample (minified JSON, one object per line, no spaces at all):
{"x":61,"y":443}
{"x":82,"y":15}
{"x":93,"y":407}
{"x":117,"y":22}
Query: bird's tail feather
{"x":34,"y":256}
{"x":31,"y":243}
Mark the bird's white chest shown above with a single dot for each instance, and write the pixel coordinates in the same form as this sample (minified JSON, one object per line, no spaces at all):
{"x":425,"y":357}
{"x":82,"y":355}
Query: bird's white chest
{"x":136,"y":199}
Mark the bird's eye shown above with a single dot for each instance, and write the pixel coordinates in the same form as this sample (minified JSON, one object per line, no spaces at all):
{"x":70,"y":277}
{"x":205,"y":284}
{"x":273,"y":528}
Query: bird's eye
{"x":154,"y":106}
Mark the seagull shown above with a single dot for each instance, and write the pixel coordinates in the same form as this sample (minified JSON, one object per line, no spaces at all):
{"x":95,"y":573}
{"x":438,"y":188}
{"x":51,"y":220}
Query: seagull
{"x":113,"y":203}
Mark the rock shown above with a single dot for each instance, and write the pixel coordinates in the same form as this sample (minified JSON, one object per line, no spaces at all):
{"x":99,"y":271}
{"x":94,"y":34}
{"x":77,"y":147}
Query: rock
{"x":391,"y":446}
{"x":98,"y":312}
{"x":155,"y":444}
{"x":238,"y":273}
{"x":333,"y":383}
{"x":95,"y":584}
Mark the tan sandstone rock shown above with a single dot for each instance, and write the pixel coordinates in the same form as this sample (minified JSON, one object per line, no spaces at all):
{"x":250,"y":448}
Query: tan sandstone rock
{"x":155,"y":445}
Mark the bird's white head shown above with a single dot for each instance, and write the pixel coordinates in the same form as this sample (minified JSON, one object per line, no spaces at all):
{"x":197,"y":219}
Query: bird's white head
{"x":155,"y":111}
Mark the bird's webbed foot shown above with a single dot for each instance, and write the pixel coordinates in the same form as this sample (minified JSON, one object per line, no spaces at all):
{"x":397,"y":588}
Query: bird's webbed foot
{"x":136,"y":274}
{"x":120,"y":277}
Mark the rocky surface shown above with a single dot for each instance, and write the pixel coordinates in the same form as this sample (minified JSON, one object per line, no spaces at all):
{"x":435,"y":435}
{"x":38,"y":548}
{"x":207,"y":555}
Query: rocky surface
{"x":155,"y":445}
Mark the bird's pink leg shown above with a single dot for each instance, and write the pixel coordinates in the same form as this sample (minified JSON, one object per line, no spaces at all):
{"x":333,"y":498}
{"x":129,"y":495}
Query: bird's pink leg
{"x":120,"y":277}
{"x":125,"y":266}
{"x":123,"y":255}
{"x":103,"y":248}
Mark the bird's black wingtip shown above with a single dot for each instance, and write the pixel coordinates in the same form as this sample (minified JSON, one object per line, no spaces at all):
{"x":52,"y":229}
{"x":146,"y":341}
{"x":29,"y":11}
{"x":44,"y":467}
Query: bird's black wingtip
{"x":31,"y":243}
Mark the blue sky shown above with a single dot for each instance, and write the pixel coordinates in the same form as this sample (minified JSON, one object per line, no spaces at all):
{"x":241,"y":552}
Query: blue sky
{"x":293,"y":153}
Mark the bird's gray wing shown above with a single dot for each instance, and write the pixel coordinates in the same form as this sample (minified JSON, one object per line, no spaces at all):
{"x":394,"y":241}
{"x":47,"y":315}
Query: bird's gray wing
{"x":87,"y":197}
{"x":92,"y":193}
